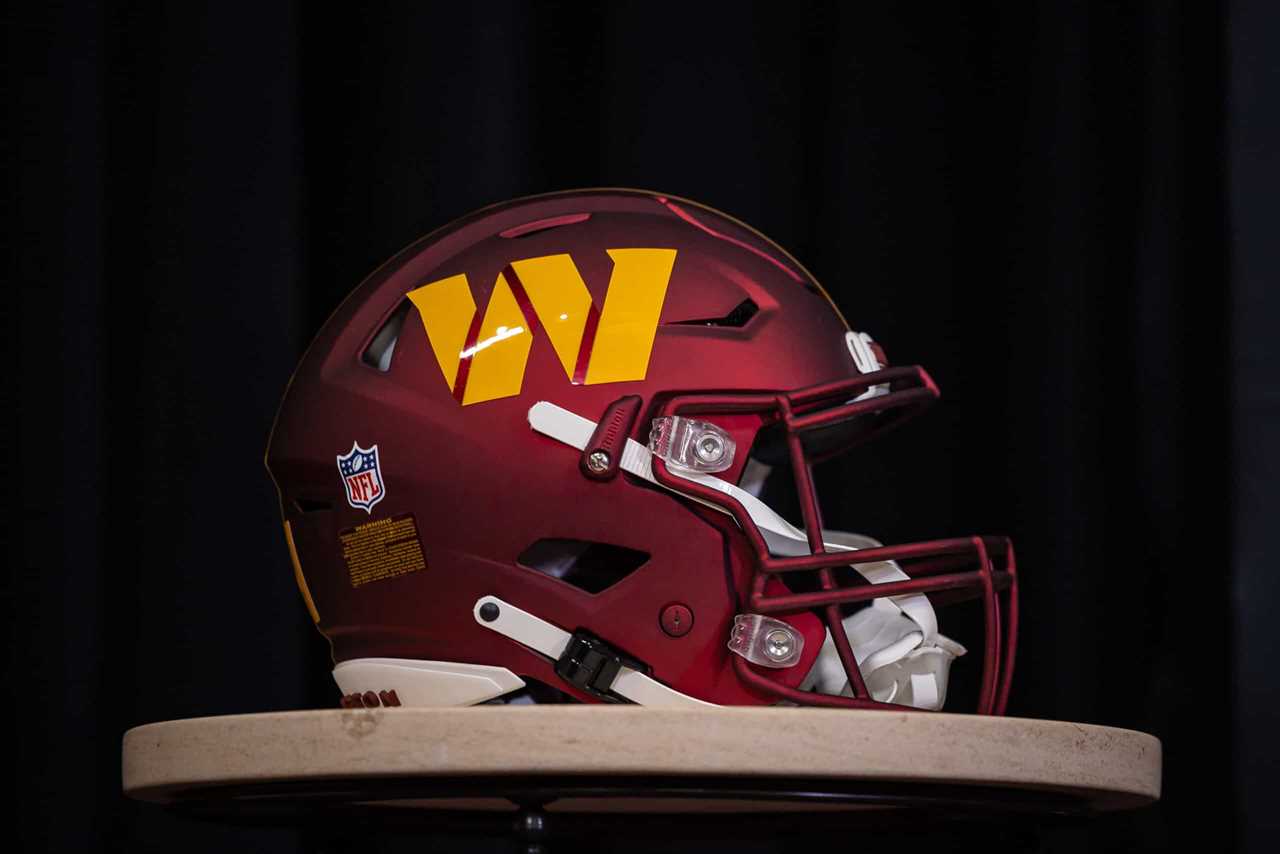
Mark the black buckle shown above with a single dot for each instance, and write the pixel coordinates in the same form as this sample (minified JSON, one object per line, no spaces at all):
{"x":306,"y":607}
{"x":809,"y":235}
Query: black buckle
{"x":591,"y":665}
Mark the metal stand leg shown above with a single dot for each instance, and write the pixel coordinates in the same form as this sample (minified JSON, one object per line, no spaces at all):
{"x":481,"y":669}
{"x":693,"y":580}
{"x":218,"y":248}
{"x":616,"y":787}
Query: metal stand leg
{"x":530,"y":830}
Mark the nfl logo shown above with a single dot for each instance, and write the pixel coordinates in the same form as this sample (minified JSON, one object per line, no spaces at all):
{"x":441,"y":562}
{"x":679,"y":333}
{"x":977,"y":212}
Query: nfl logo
{"x":362,"y":475}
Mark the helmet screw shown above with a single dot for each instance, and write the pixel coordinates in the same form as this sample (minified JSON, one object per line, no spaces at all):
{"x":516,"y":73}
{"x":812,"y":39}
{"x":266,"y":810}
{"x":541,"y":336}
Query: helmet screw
{"x":676,"y":620}
{"x":778,"y":644}
{"x":598,"y":461}
{"x":709,"y":448}
{"x":488,"y":612}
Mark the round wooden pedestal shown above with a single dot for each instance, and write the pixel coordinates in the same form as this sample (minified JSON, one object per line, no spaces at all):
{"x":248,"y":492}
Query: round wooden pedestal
{"x":627,"y":759}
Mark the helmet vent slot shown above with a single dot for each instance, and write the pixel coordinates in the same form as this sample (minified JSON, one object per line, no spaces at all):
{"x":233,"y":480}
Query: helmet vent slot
{"x":737,"y":318}
{"x":383,"y":346}
{"x":592,"y":567}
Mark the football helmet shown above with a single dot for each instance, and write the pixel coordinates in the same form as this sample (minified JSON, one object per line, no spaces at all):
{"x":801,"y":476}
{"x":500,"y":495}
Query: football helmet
{"x":524,"y":461}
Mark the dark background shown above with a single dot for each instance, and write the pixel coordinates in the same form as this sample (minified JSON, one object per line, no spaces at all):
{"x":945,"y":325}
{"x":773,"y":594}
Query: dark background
{"x":1063,"y":211}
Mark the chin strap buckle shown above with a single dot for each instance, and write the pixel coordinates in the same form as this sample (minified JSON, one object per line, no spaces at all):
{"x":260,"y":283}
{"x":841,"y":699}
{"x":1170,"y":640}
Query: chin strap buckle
{"x":591,"y":665}
{"x":582,"y":659}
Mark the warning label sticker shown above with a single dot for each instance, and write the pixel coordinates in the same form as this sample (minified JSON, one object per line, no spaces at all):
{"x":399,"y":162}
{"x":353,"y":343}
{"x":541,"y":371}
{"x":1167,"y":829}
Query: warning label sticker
{"x":384,"y":548}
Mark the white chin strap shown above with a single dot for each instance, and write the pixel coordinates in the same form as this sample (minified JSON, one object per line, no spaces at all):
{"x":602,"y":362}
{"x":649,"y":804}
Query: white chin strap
{"x":902,"y":657}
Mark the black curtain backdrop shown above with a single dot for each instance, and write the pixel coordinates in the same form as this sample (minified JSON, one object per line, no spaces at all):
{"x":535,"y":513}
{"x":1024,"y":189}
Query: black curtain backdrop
{"x":1031,"y":201}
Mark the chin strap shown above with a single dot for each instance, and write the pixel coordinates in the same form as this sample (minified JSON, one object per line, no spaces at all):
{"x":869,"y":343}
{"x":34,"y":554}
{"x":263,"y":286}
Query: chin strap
{"x":554,"y":642}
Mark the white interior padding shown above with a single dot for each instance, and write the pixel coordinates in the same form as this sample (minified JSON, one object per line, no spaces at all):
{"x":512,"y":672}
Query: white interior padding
{"x":897,"y":664}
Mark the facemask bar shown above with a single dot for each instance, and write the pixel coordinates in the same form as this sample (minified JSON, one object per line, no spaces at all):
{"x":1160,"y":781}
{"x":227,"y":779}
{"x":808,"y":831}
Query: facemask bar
{"x":931,"y":565}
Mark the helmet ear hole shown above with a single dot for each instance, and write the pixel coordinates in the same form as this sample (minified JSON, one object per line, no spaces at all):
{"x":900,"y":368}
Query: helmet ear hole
{"x":590,"y":567}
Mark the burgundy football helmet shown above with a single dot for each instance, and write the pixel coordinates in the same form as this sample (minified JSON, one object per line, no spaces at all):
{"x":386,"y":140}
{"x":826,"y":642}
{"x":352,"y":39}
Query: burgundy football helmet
{"x":523,"y":462}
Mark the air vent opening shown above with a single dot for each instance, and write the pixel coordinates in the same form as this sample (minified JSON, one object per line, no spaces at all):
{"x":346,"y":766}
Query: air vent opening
{"x":592,"y":567}
{"x":737,"y":318}
{"x":383,"y":346}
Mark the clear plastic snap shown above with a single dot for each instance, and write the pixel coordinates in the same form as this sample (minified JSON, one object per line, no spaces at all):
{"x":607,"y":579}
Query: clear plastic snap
{"x":689,"y":444}
{"x":765,"y":641}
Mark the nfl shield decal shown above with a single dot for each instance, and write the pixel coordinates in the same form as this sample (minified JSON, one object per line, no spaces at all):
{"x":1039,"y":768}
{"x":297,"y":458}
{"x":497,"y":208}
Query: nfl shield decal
{"x":362,"y":476}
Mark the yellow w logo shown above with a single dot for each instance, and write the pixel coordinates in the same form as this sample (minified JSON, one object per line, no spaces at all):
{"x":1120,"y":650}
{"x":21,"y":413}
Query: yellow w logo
{"x":484,"y":358}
